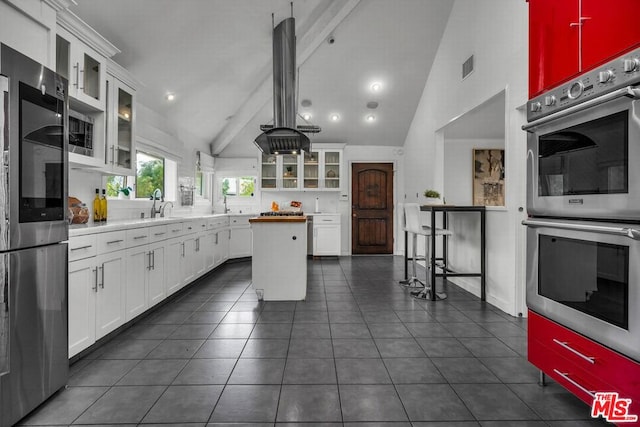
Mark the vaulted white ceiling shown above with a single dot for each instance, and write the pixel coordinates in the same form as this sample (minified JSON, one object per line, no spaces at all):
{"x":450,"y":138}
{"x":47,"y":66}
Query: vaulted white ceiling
{"x":216,"y":56}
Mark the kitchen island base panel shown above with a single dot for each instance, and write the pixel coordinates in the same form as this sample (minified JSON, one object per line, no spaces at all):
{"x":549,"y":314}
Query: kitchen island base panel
{"x":279,"y":262}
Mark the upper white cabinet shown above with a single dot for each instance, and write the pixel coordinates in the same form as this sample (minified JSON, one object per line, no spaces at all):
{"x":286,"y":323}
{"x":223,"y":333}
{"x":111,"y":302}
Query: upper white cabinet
{"x":81,"y":55}
{"x":320,"y":169}
{"x":120,"y":120}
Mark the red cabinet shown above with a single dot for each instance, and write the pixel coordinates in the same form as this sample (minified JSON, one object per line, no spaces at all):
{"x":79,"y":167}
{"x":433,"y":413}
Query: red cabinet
{"x":612,"y":29}
{"x":553,"y":42}
{"x":572,"y":36}
{"x":580,"y":365}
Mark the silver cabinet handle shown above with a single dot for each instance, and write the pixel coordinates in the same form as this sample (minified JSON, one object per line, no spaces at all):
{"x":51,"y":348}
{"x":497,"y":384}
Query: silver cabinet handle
{"x":95,"y":288}
{"x":153,"y":260}
{"x":175,"y":230}
{"x":159,"y":234}
{"x":102,"y":284}
{"x":566,"y":377}
{"x":631,"y":233}
{"x":182,"y":249}
{"x":81,"y":247}
{"x":77,"y":68}
{"x":149,"y":259}
{"x":216,"y":238}
{"x":113,"y":242}
{"x":113,"y":155}
{"x":625,"y":91}
{"x":139,"y":237}
{"x":566,"y":346}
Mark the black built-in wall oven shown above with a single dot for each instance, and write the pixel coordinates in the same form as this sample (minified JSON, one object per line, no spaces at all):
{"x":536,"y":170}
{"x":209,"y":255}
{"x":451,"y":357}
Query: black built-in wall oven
{"x":583,"y":203}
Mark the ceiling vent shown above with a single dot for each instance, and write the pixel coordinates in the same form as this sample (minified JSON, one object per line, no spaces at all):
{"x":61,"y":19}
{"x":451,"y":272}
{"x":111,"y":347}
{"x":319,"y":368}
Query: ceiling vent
{"x":284,"y":137}
{"x":467,"y":67}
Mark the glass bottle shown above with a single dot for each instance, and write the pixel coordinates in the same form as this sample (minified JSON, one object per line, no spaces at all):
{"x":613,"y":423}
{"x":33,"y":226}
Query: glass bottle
{"x":97,"y":209}
{"x":103,"y":206}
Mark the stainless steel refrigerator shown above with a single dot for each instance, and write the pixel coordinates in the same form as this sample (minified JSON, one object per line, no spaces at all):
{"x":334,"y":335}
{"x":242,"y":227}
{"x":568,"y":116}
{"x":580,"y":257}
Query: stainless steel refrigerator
{"x":33,"y":230}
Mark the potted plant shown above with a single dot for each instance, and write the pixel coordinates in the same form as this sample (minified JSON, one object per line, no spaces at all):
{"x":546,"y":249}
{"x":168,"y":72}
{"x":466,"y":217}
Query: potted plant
{"x":433,"y":197}
{"x":125,"y":192}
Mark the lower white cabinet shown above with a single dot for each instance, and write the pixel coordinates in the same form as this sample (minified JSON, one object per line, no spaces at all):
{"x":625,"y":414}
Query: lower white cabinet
{"x":326,"y":234}
{"x":115,"y":276}
{"x":156,"y":275}
{"x":83,"y":282}
{"x":173,"y":265}
{"x":96,"y":298}
{"x":240,"y":236}
{"x":110,"y":294}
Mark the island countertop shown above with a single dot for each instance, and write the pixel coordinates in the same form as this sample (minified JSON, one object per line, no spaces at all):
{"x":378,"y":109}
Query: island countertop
{"x":283,"y":218}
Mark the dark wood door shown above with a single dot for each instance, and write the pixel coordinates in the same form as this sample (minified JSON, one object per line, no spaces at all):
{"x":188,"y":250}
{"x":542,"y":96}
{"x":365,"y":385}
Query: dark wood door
{"x":372,"y":208}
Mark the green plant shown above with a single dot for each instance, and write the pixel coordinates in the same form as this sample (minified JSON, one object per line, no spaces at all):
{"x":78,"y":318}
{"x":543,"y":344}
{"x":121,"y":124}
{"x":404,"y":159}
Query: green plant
{"x":432,"y":194}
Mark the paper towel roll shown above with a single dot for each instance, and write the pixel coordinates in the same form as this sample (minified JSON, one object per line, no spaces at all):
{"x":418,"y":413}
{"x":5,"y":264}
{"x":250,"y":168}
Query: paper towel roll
{"x":317,"y":205}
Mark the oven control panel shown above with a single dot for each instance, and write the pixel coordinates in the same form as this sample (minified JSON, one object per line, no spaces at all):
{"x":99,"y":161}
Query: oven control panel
{"x":615,"y":74}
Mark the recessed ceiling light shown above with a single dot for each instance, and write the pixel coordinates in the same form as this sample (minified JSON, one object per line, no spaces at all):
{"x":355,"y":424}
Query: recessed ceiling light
{"x":376,"y":87}
{"x":370,"y":118}
{"x":334,"y":117}
{"x":306,"y":116}
{"x":170,"y":96}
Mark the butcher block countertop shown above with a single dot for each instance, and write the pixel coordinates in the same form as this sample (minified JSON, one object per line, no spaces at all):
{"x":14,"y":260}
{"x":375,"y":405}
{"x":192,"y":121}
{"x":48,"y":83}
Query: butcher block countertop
{"x":278,"y":219}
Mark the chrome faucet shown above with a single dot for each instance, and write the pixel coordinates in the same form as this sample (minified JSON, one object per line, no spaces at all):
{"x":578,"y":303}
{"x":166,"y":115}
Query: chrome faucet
{"x":162,"y":208}
{"x":224,"y":200}
{"x":156,"y":195}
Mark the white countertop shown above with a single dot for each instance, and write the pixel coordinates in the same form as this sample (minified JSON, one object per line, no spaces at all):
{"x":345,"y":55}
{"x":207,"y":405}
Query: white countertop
{"x":125,"y":224}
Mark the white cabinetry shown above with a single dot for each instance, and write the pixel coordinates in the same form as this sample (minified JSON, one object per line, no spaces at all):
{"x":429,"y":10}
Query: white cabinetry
{"x":96,"y":290}
{"x":320,"y":169}
{"x":117,"y":275}
{"x":240,"y":236}
{"x":326,"y":234}
{"x":120,"y":120}
{"x":83,"y":66}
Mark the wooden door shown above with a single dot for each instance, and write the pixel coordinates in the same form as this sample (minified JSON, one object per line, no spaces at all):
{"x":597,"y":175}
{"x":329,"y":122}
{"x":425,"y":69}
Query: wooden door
{"x":372,"y":208}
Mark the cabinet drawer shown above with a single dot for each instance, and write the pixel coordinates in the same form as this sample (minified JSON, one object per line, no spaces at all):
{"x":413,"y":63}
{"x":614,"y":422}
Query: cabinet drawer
{"x":137,"y":237}
{"x":238,"y":221}
{"x":213,"y":224}
{"x":158,"y":233}
{"x":175,"y":229}
{"x":594,"y":358}
{"x":326,"y":219}
{"x":111,"y":241}
{"x":200,"y":225}
{"x":82,"y":247}
{"x":567,"y":373}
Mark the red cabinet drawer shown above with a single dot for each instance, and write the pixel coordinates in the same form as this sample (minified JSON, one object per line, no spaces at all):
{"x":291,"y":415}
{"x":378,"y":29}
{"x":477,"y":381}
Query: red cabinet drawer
{"x":600,"y":362}
{"x":567,"y":373}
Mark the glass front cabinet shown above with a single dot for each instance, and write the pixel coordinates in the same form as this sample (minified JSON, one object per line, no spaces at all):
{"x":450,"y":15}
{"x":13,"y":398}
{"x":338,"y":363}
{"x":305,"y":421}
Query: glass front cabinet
{"x":319,"y":170}
{"x":120,"y":150}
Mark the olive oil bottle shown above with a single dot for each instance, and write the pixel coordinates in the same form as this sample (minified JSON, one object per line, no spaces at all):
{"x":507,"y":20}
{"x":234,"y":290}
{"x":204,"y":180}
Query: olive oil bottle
{"x":103,"y":206}
{"x":97,"y":209}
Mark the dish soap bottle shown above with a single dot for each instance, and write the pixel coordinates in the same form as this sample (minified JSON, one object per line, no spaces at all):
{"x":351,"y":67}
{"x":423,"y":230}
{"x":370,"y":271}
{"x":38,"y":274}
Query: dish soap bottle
{"x":103,"y":206}
{"x":97,"y":210}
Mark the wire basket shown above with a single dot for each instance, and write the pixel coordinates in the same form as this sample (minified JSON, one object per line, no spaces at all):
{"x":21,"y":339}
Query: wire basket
{"x":186,"y":195}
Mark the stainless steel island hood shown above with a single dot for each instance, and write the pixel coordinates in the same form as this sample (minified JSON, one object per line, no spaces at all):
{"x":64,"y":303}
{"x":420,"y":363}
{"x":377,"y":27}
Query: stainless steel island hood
{"x":284,"y":137}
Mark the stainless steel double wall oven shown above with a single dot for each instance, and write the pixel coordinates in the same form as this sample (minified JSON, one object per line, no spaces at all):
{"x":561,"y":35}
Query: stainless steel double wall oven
{"x":583,"y":201}
{"x":33,"y":258}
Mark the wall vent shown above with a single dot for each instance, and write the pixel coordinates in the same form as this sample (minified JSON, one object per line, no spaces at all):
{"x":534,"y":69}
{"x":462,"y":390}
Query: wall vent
{"x":467,"y":67}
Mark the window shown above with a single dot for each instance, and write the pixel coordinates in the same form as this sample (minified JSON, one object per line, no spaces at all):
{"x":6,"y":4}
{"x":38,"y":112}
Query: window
{"x":243,"y":186}
{"x":150,"y":174}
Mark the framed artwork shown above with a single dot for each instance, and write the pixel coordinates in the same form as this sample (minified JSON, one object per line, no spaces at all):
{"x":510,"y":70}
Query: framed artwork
{"x":488,"y":177}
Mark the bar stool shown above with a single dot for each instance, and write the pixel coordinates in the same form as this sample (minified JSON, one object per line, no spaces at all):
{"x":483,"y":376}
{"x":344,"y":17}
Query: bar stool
{"x":415,"y":226}
{"x":412,"y":227}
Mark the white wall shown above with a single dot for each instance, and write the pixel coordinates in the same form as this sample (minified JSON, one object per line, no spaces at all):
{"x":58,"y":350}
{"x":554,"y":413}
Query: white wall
{"x":495,"y":32}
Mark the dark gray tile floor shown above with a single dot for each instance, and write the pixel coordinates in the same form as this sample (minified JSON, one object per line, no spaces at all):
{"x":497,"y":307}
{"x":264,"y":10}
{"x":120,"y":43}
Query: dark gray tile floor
{"x":358,"y":352}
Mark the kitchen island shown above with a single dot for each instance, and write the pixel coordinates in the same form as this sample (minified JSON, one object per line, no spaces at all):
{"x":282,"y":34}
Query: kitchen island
{"x":279,"y":262}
